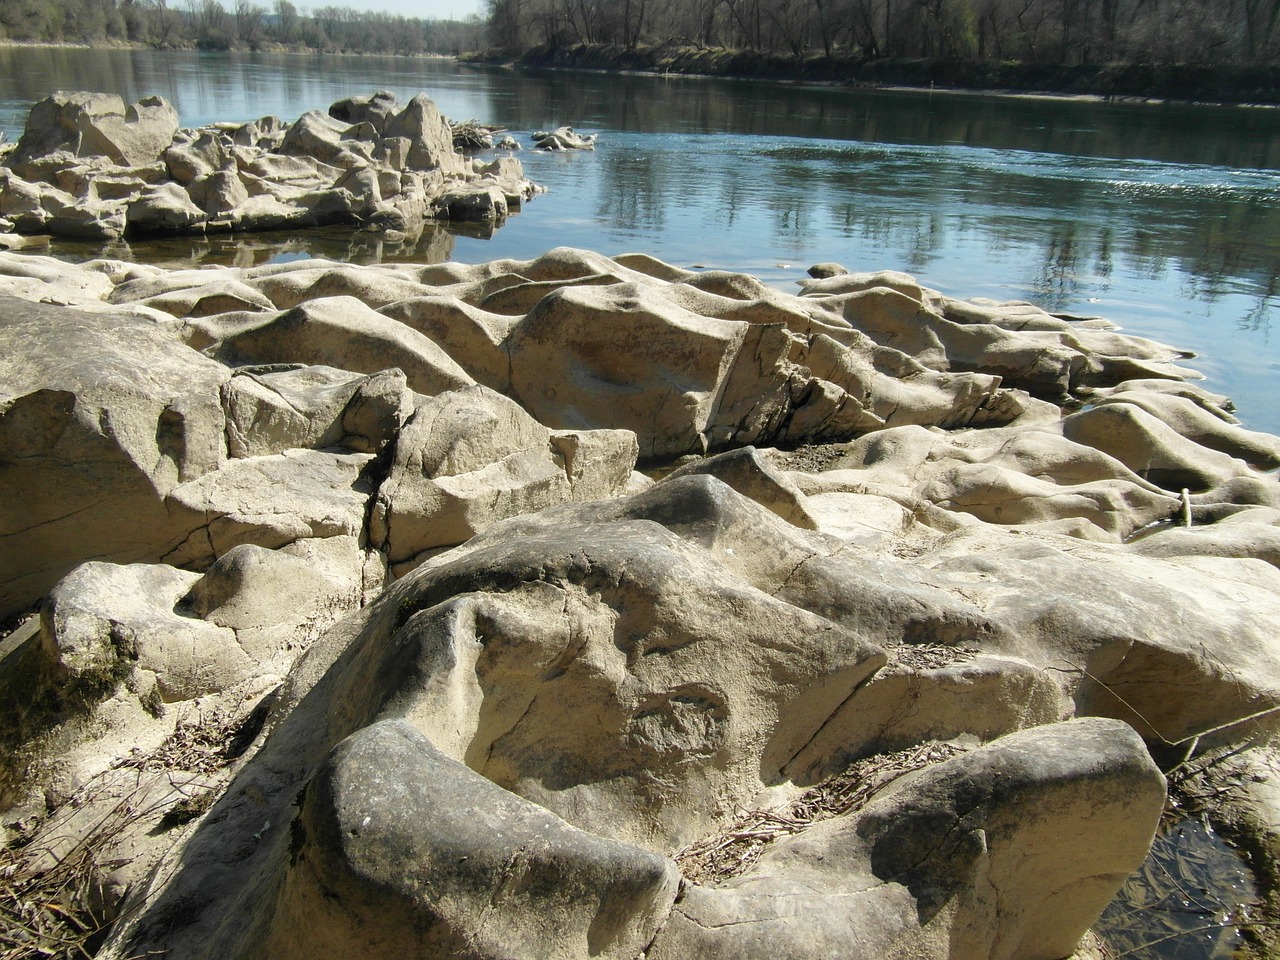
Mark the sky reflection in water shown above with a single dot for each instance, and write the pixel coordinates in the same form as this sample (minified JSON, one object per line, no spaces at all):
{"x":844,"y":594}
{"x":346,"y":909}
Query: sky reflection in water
{"x":1163,"y":218}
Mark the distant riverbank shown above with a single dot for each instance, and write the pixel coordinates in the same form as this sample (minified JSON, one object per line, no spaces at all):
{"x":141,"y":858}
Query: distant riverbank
{"x":1192,"y":82}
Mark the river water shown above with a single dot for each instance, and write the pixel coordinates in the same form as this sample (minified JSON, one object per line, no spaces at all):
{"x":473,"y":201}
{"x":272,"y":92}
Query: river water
{"x":1164,"y":218}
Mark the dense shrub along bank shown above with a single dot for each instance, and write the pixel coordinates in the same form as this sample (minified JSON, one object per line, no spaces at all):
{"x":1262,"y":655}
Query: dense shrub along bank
{"x":1184,"y":81}
{"x":238,"y":24}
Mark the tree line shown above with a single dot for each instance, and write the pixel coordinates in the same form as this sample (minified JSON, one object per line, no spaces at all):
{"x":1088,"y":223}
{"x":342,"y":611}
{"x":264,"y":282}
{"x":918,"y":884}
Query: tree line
{"x":243,"y":24}
{"x":1069,"y":32}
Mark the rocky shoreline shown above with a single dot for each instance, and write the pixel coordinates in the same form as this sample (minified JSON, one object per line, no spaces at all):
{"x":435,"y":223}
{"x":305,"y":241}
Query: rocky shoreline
{"x":90,"y":167}
{"x":359,"y":632}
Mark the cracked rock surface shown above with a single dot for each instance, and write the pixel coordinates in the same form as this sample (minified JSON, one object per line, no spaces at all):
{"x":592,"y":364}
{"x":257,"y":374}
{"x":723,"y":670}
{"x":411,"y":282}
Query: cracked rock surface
{"x":349,"y":571}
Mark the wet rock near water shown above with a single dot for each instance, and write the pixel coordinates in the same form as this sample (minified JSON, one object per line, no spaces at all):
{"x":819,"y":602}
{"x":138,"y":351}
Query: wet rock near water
{"x":90,"y":167}
{"x":378,"y":531}
{"x":563,"y":138}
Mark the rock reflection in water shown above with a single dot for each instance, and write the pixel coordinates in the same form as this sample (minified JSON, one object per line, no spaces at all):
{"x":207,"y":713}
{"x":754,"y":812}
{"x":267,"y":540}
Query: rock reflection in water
{"x":341,"y":244}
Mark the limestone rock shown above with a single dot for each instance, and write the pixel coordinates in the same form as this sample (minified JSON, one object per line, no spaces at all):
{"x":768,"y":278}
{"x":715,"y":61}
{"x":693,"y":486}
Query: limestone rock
{"x":618,"y":665}
{"x":1151,"y":448}
{"x":271,"y":501}
{"x":104,"y":620}
{"x":342,"y":332}
{"x":37,"y":278}
{"x":821,"y":271}
{"x":97,"y":124}
{"x":389,"y":813}
{"x":1005,"y":853}
{"x":272,"y":410}
{"x":376,"y":109}
{"x":471,"y":457}
{"x":279,"y":601}
{"x":685,"y":651}
{"x":474,"y":337}
{"x":164,"y":208}
{"x":754,"y":477}
{"x":330,"y":141}
{"x":86,"y":167}
{"x":664,"y":373}
{"x":429,"y":136}
{"x":104,"y":418}
{"x":563,"y":138}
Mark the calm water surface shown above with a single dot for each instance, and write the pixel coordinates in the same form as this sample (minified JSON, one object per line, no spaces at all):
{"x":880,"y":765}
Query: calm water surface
{"x":1164,"y":218}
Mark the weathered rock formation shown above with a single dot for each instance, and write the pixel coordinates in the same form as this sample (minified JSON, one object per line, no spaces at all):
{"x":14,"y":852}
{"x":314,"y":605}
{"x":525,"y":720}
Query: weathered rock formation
{"x":478,"y":688}
{"x":563,"y":138}
{"x":88,"y":166}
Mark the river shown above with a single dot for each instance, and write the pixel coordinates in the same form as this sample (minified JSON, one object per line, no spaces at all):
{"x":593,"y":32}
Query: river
{"x":1162,"y":217}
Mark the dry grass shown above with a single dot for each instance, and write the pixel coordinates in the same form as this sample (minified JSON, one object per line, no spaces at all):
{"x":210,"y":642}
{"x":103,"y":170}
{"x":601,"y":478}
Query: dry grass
{"x":52,"y":904}
{"x":811,"y":458}
{"x":932,"y":656}
{"x":731,"y":853}
{"x":200,"y":745}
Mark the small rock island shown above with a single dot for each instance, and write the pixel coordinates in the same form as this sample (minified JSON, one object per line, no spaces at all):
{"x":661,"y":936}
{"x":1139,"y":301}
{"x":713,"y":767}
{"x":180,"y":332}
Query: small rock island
{"x":88,"y":167}
{"x":463,"y":610}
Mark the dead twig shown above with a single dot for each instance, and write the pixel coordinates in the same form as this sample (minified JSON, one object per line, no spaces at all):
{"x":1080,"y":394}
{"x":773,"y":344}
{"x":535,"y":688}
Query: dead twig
{"x":732,"y":852}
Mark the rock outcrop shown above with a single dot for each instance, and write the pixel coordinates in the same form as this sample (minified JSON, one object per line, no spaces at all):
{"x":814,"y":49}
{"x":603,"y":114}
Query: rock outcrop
{"x":348,"y":573}
{"x":87,"y":166}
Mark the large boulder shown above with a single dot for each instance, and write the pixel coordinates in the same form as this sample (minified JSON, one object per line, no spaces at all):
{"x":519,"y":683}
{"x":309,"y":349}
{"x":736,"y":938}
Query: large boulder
{"x":96,"y":124}
{"x":1005,"y":853}
{"x":430,"y":138}
{"x":342,"y":332}
{"x":471,"y":869}
{"x":104,"y":417}
{"x":605,"y":661}
{"x":471,"y":457}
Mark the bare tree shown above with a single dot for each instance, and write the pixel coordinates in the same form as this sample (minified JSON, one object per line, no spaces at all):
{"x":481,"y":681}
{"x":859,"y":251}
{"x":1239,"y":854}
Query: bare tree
{"x":249,"y":20}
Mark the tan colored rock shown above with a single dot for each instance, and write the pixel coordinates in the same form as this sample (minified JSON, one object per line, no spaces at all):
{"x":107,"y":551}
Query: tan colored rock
{"x":271,"y":501}
{"x":1201,"y":424}
{"x":429,"y":136}
{"x":278,"y":602}
{"x":468,"y":458}
{"x":316,"y":280}
{"x":38,"y":278}
{"x":164,"y":207}
{"x":97,"y":124}
{"x":931,"y":693}
{"x":104,"y":418}
{"x":747,"y":472}
{"x":315,"y":134}
{"x":1105,"y":627}
{"x":104,"y":621}
{"x":271,"y":411}
{"x":473,"y":337}
{"x":1005,"y":853}
{"x":1152,"y":448}
{"x":561,"y":893}
{"x":661,"y":372}
{"x":342,"y":332}
{"x":90,"y":160}
{"x":1010,"y":475}
{"x":642,"y":667}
